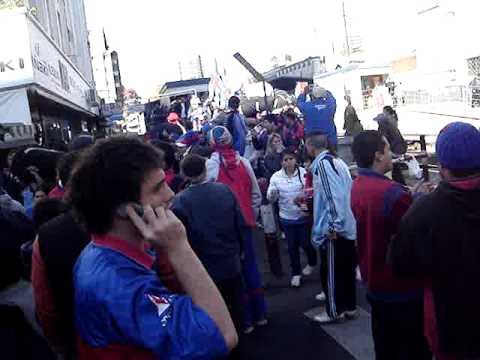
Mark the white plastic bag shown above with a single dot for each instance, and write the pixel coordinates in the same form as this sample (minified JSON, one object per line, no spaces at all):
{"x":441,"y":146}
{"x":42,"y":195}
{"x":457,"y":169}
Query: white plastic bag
{"x":268,"y":219}
{"x":414,"y":169}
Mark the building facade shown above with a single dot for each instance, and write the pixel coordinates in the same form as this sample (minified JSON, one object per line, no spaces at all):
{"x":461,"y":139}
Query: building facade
{"x":47,"y":91}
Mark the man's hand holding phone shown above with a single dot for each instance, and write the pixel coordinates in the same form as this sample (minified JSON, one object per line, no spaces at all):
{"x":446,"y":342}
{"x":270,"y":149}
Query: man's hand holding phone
{"x":160,"y":227}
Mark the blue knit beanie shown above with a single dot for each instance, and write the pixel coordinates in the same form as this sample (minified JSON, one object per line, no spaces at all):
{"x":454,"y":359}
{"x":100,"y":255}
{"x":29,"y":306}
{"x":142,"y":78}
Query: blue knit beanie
{"x":220,"y":136}
{"x":458,"y":147}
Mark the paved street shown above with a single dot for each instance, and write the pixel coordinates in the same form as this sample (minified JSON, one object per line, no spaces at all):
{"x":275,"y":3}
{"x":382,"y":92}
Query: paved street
{"x":291,"y":332}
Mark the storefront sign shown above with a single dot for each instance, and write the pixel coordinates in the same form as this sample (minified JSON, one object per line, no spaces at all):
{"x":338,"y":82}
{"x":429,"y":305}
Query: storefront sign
{"x":54,"y":72}
{"x":15,"y":64}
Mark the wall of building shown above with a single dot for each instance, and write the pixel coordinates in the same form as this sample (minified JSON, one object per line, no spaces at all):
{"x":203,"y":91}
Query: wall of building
{"x":65,"y":22}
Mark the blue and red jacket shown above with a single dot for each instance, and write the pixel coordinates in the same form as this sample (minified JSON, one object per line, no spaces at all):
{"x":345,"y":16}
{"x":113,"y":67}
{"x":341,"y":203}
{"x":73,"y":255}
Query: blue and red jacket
{"x":293,"y":136}
{"x":123,"y":311}
{"x":379,"y":204}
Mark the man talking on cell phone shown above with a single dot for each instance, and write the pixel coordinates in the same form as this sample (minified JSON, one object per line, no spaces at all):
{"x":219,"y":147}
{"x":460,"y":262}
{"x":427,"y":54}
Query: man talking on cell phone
{"x":122,"y":309}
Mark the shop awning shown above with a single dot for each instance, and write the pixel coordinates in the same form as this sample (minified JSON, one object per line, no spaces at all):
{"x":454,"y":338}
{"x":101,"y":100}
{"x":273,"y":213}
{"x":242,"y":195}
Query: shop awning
{"x":16,"y":127}
{"x":14,"y":108}
{"x":57,"y":99}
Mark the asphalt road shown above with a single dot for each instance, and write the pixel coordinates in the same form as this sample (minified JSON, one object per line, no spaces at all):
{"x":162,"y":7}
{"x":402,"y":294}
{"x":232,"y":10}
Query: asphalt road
{"x":292,"y":334}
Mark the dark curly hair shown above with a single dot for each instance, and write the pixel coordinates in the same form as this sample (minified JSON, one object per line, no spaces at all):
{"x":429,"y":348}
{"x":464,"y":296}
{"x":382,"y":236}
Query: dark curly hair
{"x":108,"y":175}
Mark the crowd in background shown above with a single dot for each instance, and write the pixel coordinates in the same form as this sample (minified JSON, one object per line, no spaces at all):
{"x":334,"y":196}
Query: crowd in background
{"x":142,"y":249}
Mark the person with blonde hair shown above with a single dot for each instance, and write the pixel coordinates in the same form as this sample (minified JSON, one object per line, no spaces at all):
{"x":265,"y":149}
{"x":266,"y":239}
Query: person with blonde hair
{"x":273,"y":155}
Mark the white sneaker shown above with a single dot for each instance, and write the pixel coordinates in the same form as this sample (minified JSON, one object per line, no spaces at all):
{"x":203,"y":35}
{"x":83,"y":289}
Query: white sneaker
{"x":249,"y":330}
{"x":321,"y":296}
{"x":263,"y":322}
{"x":308,"y":270}
{"x":359,"y":274}
{"x":323,"y":318}
{"x":296,"y":280}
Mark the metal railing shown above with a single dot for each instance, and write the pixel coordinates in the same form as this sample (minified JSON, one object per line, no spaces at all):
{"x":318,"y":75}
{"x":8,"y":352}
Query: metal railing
{"x":457,"y":93}
{"x":460,"y":94}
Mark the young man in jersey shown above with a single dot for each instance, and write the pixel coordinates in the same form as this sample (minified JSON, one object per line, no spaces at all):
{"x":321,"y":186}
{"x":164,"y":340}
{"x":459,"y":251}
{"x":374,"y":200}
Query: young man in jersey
{"x":122,"y":309}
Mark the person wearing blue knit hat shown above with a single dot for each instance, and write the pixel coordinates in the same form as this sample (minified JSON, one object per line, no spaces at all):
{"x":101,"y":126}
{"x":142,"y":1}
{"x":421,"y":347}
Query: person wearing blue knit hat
{"x":438,"y":240}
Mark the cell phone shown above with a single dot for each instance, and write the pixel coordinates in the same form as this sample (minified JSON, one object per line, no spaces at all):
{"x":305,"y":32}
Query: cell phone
{"x":122,"y":210}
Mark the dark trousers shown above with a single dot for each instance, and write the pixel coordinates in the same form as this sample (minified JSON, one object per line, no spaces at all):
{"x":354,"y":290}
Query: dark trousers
{"x":337,"y":274}
{"x":299,"y":236}
{"x":232,"y":292}
{"x":397,"y":330}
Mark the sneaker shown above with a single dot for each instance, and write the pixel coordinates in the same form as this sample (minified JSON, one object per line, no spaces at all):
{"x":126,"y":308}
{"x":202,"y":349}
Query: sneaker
{"x":358,"y":274}
{"x":263,"y":322}
{"x":350,"y":315}
{"x":324,"y":318}
{"x":308,"y":270}
{"x":321,"y":297}
{"x":296,"y":280}
{"x":248,"y":330}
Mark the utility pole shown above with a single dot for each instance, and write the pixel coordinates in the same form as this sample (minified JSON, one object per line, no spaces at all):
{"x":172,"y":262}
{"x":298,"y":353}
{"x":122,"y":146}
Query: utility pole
{"x":107,"y":84}
{"x":180,"y":70}
{"x":200,"y":66}
{"x":347,"y":43}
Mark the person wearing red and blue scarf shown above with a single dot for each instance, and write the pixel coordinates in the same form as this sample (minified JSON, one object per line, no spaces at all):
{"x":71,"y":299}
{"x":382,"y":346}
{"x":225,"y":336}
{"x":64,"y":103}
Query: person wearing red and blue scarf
{"x":228,"y":167}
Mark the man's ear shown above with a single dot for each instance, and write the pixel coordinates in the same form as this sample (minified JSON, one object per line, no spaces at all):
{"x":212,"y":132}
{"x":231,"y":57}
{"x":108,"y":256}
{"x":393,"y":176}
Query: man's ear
{"x":378,"y":156}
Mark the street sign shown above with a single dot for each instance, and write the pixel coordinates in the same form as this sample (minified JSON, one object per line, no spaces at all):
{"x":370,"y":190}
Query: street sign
{"x":249,"y":67}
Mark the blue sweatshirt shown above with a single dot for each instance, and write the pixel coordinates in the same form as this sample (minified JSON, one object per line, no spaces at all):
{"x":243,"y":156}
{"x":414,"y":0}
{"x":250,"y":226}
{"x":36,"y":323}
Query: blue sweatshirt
{"x":239,"y":133}
{"x":332,"y":210}
{"x":319,"y":115}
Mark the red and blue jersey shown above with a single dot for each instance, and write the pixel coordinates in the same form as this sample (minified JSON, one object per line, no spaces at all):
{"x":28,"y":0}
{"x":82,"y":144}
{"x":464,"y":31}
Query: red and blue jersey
{"x":379,"y":204}
{"x":123,"y":311}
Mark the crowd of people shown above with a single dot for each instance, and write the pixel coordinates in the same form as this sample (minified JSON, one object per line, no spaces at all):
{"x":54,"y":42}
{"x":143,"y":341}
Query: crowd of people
{"x":140,"y":250}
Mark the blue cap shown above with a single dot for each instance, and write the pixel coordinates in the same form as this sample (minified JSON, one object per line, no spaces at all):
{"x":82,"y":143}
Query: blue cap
{"x":458,"y":147}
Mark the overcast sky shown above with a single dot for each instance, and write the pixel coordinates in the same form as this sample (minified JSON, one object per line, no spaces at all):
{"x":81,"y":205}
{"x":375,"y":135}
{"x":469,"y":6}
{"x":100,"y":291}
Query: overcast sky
{"x":151,"y":36}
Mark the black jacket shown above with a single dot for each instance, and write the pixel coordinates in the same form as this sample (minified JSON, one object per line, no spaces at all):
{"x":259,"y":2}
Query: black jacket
{"x":214,"y":224}
{"x":439,"y":239}
{"x":390,"y":130}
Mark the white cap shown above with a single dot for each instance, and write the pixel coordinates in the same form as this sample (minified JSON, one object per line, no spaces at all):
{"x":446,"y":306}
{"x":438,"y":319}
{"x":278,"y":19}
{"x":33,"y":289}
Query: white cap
{"x":318,"y":91}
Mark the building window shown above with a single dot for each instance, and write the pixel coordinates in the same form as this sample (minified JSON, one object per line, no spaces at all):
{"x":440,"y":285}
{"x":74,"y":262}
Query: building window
{"x":60,"y":28}
{"x":50,"y":20}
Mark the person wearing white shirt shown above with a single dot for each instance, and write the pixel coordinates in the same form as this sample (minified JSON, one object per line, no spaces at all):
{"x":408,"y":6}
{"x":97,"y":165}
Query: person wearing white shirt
{"x":287,"y":187}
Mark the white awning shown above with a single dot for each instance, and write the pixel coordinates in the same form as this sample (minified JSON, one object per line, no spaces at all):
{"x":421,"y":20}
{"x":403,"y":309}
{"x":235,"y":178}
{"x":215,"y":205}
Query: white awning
{"x":14,"y":107}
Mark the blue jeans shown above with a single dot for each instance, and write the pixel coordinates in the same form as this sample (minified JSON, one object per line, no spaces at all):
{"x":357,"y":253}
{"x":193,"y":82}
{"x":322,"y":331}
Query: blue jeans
{"x":298,"y":235}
